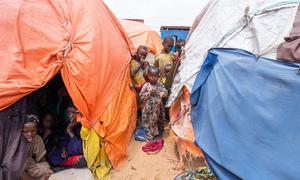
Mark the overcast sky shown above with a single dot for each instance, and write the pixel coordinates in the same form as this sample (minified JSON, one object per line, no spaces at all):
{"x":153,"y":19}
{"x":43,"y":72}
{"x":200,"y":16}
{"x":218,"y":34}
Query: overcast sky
{"x":158,"y":13}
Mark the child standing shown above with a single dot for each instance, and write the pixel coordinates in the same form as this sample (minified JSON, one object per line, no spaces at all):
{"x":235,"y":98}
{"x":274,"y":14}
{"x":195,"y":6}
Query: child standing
{"x":165,"y":62}
{"x":180,"y":44}
{"x":163,"y":59}
{"x":152,"y":95}
{"x":137,"y":68}
{"x":36,"y":165}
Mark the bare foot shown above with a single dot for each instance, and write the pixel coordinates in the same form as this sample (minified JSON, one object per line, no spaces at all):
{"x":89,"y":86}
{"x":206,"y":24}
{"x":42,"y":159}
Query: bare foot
{"x":179,"y":166}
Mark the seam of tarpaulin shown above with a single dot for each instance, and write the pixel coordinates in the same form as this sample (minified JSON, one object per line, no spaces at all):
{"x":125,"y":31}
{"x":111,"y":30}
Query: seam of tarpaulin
{"x":87,"y":44}
{"x":230,"y":35}
{"x":247,"y":18}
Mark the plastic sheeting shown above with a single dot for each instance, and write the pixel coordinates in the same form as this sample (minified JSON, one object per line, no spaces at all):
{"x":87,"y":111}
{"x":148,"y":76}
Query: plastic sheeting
{"x":262,"y":35}
{"x":246,"y":115}
{"x":83,"y":40}
{"x":181,"y":124}
{"x":141,"y":34}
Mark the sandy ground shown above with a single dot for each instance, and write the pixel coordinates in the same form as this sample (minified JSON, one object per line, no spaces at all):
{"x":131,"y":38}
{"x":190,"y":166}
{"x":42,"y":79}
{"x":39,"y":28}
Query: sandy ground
{"x":73,"y":174}
{"x":141,"y":166}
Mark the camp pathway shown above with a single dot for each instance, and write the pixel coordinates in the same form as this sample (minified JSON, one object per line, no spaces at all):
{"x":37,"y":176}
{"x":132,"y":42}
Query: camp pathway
{"x":141,"y":166}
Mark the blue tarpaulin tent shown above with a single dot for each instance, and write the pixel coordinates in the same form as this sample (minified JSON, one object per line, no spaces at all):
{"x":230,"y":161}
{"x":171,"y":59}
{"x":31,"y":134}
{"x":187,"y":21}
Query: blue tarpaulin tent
{"x":246,"y":115}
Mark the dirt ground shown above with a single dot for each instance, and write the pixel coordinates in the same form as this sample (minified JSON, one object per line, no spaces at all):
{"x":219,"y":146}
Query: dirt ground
{"x":141,"y":166}
{"x":73,"y":174}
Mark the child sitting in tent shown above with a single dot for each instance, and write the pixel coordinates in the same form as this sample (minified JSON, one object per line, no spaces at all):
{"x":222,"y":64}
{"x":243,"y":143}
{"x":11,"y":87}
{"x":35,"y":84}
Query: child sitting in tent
{"x":36,"y":165}
{"x":137,"y":68}
{"x":152,"y":95}
{"x":69,"y":152}
{"x":47,"y":131}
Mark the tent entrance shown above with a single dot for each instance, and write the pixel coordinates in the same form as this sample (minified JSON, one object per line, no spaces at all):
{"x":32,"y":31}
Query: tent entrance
{"x":51,"y":100}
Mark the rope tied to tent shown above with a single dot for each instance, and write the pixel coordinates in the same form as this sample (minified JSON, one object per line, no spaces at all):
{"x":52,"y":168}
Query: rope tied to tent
{"x":69,"y":45}
{"x":67,"y":49}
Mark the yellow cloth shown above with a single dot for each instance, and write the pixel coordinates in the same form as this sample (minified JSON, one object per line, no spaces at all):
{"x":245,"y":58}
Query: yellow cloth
{"x":94,"y":153}
{"x":139,"y":76}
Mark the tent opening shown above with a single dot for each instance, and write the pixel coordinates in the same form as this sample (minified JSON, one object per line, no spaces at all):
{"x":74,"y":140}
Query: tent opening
{"x":52,"y":99}
{"x":57,"y":127}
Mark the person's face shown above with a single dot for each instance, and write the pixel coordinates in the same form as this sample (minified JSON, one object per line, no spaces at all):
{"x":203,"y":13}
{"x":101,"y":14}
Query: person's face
{"x":153,"y":77}
{"x":180,"y":46}
{"x":167,"y":46}
{"x":43,"y":100}
{"x":29,"y":131}
{"x":48,"y":121}
{"x":72,"y":113}
{"x":141,"y":54}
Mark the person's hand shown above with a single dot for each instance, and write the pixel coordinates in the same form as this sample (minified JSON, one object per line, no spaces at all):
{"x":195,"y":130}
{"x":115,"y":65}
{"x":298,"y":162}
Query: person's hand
{"x":47,"y":132}
{"x":45,"y":177}
{"x":64,"y":153}
{"x":153,"y":92}
{"x":70,"y":129}
{"x":168,"y":69}
{"x":145,"y":64}
{"x":132,"y":87}
{"x":140,"y":64}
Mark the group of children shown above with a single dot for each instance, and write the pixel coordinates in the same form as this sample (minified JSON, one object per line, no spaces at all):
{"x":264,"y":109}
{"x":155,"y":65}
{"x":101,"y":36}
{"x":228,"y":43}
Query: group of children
{"x":48,"y":146}
{"x":152,"y":83}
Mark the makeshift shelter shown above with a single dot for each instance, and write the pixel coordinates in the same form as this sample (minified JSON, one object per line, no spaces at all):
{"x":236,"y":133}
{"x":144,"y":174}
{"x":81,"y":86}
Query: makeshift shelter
{"x":257,"y":27}
{"x":261,"y":37}
{"x":141,"y":34}
{"x":86,"y":43}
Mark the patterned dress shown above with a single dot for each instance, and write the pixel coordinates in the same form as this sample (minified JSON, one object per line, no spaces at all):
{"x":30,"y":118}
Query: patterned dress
{"x":152,"y":113}
{"x":35,"y":166}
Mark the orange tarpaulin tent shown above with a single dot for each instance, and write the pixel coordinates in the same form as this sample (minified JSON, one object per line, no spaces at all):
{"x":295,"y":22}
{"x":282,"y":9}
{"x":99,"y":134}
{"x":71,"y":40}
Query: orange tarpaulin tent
{"x":86,"y":43}
{"x":141,"y":34}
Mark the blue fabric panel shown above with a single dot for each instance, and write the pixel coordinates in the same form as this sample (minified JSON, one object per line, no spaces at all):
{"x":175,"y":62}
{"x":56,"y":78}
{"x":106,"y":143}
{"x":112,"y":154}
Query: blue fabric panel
{"x":246,"y":115}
